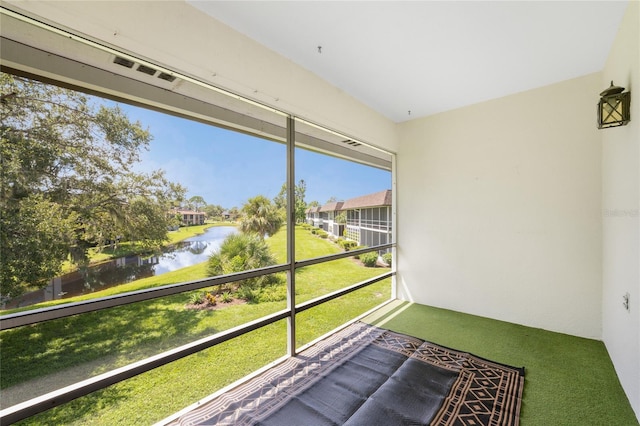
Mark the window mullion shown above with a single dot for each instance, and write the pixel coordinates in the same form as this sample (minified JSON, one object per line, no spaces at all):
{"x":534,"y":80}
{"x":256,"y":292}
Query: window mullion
{"x":291,"y":232}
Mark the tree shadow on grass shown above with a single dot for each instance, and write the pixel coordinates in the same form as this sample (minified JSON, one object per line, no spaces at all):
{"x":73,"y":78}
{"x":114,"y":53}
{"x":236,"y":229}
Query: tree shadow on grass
{"x":128,"y":333}
{"x":157,"y":394}
{"x":80,"y":408}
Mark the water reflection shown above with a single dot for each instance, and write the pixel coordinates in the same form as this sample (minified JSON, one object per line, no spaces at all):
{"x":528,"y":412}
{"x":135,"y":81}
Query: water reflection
{"x":129,"y":268}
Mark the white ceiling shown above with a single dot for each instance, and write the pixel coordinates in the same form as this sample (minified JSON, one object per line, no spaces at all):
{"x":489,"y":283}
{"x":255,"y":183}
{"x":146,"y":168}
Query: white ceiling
{"x":426,"y":56}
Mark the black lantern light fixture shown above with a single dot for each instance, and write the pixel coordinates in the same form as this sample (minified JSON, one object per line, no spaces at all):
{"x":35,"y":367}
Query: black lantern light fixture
{"x":613,"y":108}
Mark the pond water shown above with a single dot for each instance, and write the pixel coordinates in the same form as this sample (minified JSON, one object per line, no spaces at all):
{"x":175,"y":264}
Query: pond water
{"x":193,"y":250}
{"x":129,"y":268}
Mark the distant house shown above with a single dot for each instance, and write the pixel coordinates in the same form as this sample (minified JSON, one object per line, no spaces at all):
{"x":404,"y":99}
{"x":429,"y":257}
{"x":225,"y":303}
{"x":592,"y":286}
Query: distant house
{"x":190,"y":217}
{"x":228,"y":215}
{"x":368,"y":218}
{"x":328,"y":214}
{"x":313,"y":217}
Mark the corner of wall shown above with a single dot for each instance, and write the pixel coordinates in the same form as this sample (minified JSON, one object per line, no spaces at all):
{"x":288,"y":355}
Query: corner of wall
{"x":621,"y":213}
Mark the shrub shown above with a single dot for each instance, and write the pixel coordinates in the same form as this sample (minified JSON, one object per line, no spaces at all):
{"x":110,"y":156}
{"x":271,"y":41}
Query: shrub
{"x":273,"y":293}
{"x":387,"y":258}
{"x":322,"y":234}
{"x":196,"y":298}
{"x":226,"y":297}
{"x":347,"y":244}
{"x":242,"y":252}
{"x":249,"y":294}
{"x":210,"y":299}
{"x":314,"y":231}
{"x":369,"y":259}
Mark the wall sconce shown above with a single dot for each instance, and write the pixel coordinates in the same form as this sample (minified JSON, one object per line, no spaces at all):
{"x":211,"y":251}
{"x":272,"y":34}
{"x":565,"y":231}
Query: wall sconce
{"x":613,"y":108}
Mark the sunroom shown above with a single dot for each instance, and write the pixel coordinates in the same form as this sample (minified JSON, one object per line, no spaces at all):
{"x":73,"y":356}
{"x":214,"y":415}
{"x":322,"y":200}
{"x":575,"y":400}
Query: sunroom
{"x":515,"y":230}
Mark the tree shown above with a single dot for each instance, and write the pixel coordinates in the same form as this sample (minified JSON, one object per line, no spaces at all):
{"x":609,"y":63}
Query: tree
{"x":234,"y":213}
{"x":213,"y":211}
{"x":32,"y":247}
{"x":300,"y":205}
{"x":260,"y":216}
{"x":68,"y":182}
{"x":196,"y":202}
{"x":280,"y":200}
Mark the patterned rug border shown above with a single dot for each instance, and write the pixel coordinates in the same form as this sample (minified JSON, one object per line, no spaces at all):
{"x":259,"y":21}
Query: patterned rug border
{"x":486,"y":392}
{"x":475,"y":374}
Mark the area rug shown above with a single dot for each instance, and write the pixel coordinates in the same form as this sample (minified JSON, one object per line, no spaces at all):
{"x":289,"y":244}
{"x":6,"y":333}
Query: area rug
{"x":365,"y":375}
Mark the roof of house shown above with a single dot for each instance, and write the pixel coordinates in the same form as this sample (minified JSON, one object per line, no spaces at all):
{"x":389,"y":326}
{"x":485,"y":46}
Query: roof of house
{"x":188,"y":212}
{"x":382,"y":198}
{"x":332,"y":207}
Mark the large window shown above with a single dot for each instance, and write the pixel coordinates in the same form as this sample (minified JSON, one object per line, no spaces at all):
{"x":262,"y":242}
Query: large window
{"x":184,"y":236}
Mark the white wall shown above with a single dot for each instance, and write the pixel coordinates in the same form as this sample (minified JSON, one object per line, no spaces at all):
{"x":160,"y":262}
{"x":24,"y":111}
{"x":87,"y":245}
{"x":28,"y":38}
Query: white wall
{"x":621,"y":208}
{"x":500,"y":209}
{"x":217,"y":54}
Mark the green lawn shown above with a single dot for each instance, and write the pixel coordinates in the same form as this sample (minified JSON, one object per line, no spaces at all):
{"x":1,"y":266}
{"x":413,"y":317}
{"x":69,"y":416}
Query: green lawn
{"x":92,"y":343}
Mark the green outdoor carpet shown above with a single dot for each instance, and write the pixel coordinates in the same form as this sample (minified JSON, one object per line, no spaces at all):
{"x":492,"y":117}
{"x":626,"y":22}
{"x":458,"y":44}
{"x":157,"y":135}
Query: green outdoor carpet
{"x":570,"y":380}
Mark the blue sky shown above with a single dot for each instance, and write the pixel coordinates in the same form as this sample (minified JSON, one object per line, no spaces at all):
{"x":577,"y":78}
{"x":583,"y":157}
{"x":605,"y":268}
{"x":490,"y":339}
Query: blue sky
{"x":227,"y":168}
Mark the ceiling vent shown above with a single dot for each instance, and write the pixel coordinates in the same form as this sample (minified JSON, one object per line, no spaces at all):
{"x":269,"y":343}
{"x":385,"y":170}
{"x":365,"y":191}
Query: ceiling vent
{"x":122,"y":61}
{"x":352,"y":143}
{"x":167,"y":77}
{"x":145,"y":69}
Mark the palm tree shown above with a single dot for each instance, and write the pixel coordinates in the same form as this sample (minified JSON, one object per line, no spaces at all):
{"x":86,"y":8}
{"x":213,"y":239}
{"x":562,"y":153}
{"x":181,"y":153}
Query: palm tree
{"x":260,"y":216}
